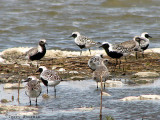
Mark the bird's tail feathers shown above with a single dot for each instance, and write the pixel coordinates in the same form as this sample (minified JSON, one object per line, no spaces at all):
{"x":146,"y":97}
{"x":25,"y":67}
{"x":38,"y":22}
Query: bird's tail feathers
{"x":23,"y":57}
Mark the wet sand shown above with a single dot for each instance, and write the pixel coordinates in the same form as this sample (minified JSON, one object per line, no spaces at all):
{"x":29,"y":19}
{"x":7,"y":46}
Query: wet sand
{"x":74,"y":67}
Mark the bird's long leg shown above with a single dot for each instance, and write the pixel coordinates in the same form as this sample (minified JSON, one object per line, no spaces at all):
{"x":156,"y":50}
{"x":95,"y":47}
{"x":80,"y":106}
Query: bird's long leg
{"x":54,"y":91}
{"x":30,"y":63}
{"x":125,"y":58}
{"x":116,"y":61}
{"x":97,"y":85}
{"x":136,"y":55}
{"x":30,"y":101}
{"x":143,"y":54}
{"x":123,"y":68}
{"x":81,"y":52}
{"x":89,"y":51}
{"x":104,"y":84}
{"x":114,"y":68}
{"x":119,"y":63}
{"x":115,"y":64}
{"x":47,"y":90}
{"x":36,"y":101}
{"x":37,"y":63}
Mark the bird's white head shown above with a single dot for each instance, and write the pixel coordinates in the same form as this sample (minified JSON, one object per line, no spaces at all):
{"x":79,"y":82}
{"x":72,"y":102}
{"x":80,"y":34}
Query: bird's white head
{"x":29,"y":78}
{"x":41,"y":69}
{"x":42,"y":41}
{"x":106,"y":45}
{"x":145,"y":35}
{"x":75,"y":34}
{"x":32,"y":77}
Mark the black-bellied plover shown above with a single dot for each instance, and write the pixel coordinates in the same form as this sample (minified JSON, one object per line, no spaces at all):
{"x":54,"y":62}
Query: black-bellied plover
{"x":33,"y":88}
{"x":101,"y":73}
{"x":123,"y":49}
{"x":49,"y":77}
{"x":94,"y":61}
{"x":38,"y":52}
{"x":110,"y":51}
{"x":144,"y":43}
{"x":83,"y":41}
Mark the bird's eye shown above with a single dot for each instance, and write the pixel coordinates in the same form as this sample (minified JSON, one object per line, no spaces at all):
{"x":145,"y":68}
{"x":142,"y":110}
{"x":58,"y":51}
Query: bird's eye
{"x":146,"y":35}
{"x":74,"y":35}
{"x":40,"y":69}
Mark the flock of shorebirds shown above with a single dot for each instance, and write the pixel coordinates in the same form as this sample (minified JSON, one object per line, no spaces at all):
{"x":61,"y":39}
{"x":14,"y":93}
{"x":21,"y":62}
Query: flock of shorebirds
{"x":96,"y":63}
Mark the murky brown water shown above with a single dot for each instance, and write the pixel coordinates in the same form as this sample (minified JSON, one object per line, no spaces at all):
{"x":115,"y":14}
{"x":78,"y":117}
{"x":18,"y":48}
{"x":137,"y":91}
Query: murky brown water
{"x":24,"y":22}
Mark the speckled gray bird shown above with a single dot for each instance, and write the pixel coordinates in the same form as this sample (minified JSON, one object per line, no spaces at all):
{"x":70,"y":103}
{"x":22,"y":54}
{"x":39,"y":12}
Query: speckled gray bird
{"x":94,"y":61}
{"x":144,"y":42}
{"x":83,"y":41}
{"x":101,"y":72}
{"x":123,"y":49}
{"x":49,"y":77}
{"x":33,"y":88}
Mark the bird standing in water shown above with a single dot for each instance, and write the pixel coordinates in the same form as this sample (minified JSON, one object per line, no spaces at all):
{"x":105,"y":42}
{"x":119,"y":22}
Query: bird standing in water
{"x":49,"y":77}
{"x":101,"y":72}
{"x":33,"y":88}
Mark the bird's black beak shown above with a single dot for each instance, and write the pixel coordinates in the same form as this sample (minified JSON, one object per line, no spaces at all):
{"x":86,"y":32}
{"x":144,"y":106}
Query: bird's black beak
{"x":109,"y":62}
{"x":149,"y":36}
{"x":102,"y":56}
{"x":25,"y":80}
{"x":100,"y":46}
{"x":70,"y":36}
{"x":38,"y":71}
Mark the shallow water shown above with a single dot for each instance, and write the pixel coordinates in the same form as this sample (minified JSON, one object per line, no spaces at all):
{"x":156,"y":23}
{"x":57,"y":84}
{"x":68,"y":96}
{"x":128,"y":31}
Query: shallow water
{"x":23,"y":23}
{"x":72,"y":95}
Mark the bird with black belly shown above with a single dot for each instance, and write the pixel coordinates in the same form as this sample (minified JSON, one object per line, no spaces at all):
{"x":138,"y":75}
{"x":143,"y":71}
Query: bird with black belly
{"x":49,"y":77}
{"x":83,"y":41}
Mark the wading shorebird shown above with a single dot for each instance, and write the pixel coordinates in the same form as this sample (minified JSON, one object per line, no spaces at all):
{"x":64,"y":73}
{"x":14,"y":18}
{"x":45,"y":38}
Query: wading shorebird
{"x":33,"y":88}
{"x":101,"y":72}
{"x":144,"y":43}
{"x":38,"y":52}
{"x":83,"y":41}
{"x":49,"y":77}
{"x":123,"y":49}
{"x":94,"y":61}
